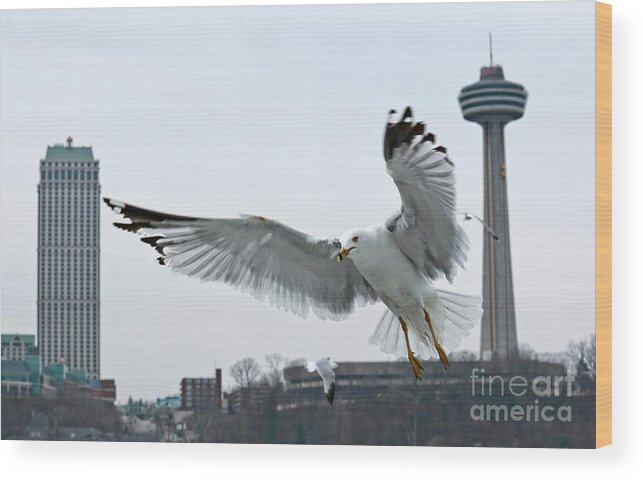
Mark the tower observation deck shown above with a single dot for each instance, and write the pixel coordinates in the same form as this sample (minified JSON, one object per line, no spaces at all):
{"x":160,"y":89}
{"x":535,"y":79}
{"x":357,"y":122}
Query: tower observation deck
{"x":493,"y":102}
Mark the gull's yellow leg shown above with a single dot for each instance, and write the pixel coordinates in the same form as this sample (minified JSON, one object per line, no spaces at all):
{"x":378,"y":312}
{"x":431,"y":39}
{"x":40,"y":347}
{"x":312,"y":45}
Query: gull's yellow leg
{"x":443,"y":356}
{"x":415,"y":363}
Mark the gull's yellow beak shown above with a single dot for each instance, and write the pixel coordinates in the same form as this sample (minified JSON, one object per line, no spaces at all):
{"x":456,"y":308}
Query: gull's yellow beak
{"x":343,"y":253}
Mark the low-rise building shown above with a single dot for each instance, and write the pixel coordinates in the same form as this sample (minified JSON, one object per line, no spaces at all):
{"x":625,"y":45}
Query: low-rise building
{"x":28,"y":378}
{"x":170,"y":401}
{"x":201,"y":393}
{"x":16,"y":346}
{"x":365,"y":381}
{"x":17,"y":379}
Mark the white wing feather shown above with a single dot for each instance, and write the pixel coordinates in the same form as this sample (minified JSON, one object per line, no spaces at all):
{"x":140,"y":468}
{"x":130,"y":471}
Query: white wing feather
{"x":425,"y":227}
{"x":265,"y":258}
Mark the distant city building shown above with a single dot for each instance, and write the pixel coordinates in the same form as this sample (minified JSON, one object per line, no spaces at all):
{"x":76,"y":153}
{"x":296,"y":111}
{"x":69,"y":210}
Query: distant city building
{"x":17,"y":378}
{"x":17,"y":346}
{"x":39,"y":428}
{"x":249,"y":399}
{"x":201,"y":393}
{"x":106,"y":391}
{"x":170,"y":401}
{"x":29,"y":378}
{"x":69,"y":258}
{"x":493,"y":102}
{"x":374,"y":381}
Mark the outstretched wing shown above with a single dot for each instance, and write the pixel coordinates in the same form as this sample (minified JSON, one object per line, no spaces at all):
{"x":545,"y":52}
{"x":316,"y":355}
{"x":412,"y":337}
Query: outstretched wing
{"x":267,"y":259}
{"x":425,"y":227}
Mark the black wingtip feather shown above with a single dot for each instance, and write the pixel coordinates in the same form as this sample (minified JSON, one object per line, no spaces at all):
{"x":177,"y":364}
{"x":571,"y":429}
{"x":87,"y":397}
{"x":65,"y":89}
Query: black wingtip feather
{"x":131,"y":227}
{"x":138,"y":214}
{"x":403,"y":132}
{"x":153,"y":241}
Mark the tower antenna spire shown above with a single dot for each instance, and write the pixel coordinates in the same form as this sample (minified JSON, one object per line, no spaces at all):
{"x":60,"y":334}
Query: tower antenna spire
{"x":490,"y":50}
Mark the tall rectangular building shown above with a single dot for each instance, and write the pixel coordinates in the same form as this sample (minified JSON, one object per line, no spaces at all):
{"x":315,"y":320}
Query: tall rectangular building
{"x":69,"y":258}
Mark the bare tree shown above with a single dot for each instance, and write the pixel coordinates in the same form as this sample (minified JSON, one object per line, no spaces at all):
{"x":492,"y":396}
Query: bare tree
{"x":555,"y":357}
{"x":584,"y":352}
{"x":590,"y":355}
{"x":526,"y":352}
{"x":204,"y":423}
{"x":296,"y":362}
{"x":245,"y":372}
{"x":276,"y":363}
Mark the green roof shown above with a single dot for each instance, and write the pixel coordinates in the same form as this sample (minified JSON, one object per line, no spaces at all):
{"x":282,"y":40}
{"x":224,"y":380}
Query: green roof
{"x":61,"y":153}
{"x":13,"y":368}
{"x":27,"y":338}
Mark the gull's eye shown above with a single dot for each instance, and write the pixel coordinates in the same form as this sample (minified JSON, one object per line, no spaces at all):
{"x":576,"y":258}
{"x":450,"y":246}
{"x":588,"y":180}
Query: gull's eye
{"x":355,"y":239}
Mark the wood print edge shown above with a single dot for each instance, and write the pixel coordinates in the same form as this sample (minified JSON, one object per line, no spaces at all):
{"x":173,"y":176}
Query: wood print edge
{"x":603,"y":224}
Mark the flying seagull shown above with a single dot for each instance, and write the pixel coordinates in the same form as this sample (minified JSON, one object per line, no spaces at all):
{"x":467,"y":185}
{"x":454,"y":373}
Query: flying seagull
{"x":395,"y":261}
{"x":468,"y":216}
{"x":325,"y":367}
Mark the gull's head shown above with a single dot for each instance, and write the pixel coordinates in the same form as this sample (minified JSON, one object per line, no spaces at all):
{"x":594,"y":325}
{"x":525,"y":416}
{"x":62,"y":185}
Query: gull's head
{"x":350,"y":242}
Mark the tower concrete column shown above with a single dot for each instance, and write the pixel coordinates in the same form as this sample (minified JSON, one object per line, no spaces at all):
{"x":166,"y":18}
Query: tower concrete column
{"x":493,"y":102}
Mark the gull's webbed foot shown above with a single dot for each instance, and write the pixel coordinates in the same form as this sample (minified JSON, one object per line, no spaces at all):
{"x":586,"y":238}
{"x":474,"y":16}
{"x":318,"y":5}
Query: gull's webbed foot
{"x":416,"y":365}
{"x":443,"y":355}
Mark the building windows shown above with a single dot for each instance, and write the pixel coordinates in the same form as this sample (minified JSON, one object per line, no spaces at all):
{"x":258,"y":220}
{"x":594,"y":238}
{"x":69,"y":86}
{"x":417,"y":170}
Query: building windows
{"x":67,"y":269}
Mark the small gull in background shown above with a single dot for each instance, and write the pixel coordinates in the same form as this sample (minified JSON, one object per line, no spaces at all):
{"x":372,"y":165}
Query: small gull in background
{"x":325,"y":367}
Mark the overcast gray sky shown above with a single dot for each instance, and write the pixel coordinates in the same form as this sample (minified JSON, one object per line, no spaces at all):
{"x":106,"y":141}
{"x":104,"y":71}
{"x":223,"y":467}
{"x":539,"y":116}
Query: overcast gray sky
{"x":279,"y":111}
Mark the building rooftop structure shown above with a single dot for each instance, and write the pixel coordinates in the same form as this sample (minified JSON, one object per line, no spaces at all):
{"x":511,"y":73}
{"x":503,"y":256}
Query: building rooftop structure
{"x":16,"y":346}
{"x":492,"y":97}
{"x":14,"y":368}
{"x":68,"y":153}
{"x":7,"y":338}
{"x":21,"y":378}
{"x":170,"y":401}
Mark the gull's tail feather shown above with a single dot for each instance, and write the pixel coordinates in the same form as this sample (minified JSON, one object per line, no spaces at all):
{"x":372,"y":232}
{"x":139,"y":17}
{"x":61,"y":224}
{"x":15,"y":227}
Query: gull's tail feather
{"x":453,"y":315}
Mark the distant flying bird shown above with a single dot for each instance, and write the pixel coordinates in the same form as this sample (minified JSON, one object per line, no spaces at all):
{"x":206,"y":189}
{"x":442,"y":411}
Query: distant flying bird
{"x":468,"y":216}
{"x":394,"y":262}
{"x":325,"y":367}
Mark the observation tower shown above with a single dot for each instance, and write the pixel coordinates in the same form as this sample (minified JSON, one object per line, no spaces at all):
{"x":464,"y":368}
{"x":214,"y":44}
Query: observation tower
{"x":493,"y":102}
